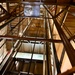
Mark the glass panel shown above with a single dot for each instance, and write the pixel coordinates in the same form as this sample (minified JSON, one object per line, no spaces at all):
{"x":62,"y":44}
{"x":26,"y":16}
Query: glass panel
{"x":28,"y":56}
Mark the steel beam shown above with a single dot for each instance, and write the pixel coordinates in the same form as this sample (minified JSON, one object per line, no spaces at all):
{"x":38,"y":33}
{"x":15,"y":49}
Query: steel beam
{"x":44,"y":61}
{"x":5,"y":24}
{"x":31,"y":39}
{"x":67,"y":30}
{"x":6,"y":16}
{"x":3,"y":44}
{"x":47,"y":48}
{"x":46,"y":2}
{"x":3,"y":71}
{"x":31,"y":59}
{"x":62,"y":11}
{"x":62,"y":56}
{"x":54,"y":51}
{"x":16,"y":25}
{"x":32,"y":56}
{"x":72,"y":38}
{"x":3,"y":9}
{"x":67,"y":45}
{"x":10,"y":16}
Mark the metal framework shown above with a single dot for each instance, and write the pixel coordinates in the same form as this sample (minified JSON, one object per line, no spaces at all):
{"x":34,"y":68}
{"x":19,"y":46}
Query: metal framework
{"x":48,"y":40}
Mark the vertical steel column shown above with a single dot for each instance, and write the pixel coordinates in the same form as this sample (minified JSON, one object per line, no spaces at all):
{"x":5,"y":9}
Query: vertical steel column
{"x":31,"y":59}
{"x":47,"y":48}
{"x":7,"y":4}
{"x":44,"y":61}
{"x":68,"y":47}
{"x":16,"y":44}
{"x":54,"y":50}
{"x":32,"y":53}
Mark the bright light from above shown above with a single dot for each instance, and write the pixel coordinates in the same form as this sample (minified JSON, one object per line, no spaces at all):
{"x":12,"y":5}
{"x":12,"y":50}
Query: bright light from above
{"x":30,"y":10}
